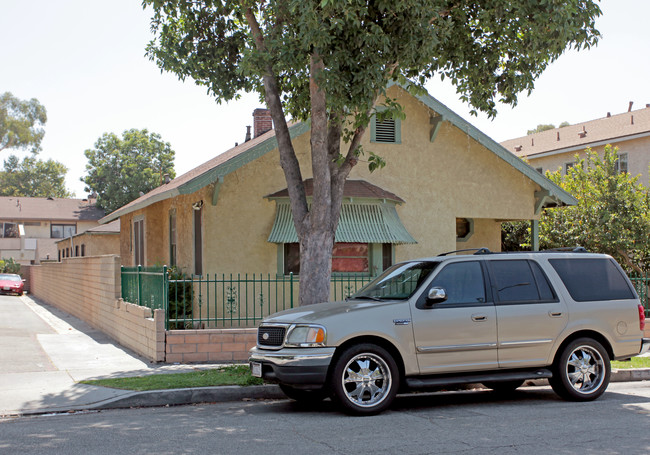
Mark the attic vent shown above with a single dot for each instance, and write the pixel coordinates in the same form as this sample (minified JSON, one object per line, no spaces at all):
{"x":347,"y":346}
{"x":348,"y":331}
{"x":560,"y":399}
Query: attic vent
{"x":385,"y":131}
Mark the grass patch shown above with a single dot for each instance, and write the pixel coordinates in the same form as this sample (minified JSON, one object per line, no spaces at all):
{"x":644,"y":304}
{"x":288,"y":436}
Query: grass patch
{"x":636,"y":362}
{"x":230,"y":375}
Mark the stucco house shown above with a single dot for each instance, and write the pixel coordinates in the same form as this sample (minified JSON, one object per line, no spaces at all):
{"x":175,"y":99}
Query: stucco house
{"x":96,"y":241}
{"x":555,"y":149}
{"x":446,"y":186}
{"x":30,"y":227}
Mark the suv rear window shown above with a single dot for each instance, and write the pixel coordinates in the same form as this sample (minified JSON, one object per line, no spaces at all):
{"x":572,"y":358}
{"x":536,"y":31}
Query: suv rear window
{"x":593,"y":279}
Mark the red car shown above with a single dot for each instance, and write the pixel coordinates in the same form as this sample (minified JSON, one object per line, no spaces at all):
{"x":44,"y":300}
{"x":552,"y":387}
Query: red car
{"x":11,"y":284}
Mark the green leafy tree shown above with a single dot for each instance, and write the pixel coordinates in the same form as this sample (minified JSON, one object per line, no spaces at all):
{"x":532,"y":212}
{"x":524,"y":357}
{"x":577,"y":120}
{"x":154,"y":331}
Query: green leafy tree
{"x":544,"y":127}
{"x":612,"y":215}
{"x":330,"y":61}
{"x":21,"y":123}
{"x":119,"y":169}
{"x":32,"y":177}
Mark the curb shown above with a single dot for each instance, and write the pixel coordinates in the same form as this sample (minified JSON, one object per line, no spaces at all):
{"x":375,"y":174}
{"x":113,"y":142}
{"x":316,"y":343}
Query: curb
{"x":177,"y":397}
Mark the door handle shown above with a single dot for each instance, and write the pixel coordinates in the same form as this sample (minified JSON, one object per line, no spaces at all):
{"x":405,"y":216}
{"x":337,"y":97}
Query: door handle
{"x":479,"y":317}
{"x":555,"y":314}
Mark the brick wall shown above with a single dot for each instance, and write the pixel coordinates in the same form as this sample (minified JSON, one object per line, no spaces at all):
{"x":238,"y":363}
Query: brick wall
{"x":89,"y":288}
{"x":209,"y":345}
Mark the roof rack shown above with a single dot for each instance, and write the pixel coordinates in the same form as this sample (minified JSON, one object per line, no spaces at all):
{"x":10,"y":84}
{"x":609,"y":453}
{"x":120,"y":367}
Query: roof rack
{"x":568,"y":249}
{"x":482,"y":250}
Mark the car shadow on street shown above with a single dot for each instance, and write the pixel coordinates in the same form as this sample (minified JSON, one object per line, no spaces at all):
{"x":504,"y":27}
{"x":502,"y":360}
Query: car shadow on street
{"x":444,"y":399}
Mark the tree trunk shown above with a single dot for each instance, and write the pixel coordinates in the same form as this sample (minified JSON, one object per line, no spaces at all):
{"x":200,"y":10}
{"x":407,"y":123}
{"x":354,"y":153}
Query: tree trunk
{"x":315,"y":267}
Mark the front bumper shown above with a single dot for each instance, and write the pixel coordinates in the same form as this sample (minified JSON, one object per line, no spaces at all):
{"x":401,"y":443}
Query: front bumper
{"x":302,"y":367}
{"x":645,"y":346}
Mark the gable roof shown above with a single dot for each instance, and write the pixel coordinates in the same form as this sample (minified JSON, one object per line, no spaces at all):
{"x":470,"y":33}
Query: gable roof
{"x":351,"y":189}
{"x":615,"y":128}
{"x":220,"y":166}
{"x":46,"y":209}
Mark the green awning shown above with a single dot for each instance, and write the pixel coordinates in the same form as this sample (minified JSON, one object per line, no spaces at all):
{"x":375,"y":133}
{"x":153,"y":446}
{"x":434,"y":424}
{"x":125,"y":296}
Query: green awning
{"x":359,"y":223}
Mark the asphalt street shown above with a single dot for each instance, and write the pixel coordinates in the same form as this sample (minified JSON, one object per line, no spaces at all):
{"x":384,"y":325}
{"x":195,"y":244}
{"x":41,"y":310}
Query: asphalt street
{"x":533,"y":420}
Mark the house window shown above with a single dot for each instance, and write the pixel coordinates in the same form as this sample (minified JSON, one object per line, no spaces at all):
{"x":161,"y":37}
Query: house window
{"x":568,"y":166}
{"x":59,"y":255}
{"x":346,"y":257}
{"x":9,"y":230}
{"x":621,"y":163}
{"x":138,"y":241}
{"x":76,"y":250}
{"x":67,"y":252}
{"x":387,"y":131}
{"x":198,"y":238}
{"x":464,"y":229}
{"x":62,"y":231}
{"x":172,"y":237}
{"x":83,"y":249}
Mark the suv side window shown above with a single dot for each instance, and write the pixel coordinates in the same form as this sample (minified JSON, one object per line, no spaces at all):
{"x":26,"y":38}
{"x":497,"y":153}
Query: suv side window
{"x":593,"y":279}
{"x":517,"y":281}
{"x":463,"y":283}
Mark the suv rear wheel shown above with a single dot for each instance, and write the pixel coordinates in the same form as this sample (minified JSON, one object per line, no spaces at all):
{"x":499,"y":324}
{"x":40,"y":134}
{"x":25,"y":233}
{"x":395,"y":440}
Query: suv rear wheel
{"x":582,"y":371}
{"x":365,"y":379}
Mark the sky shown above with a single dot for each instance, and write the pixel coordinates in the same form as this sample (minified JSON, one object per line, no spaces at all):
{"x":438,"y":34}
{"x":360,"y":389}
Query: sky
{"x":84,"y":60}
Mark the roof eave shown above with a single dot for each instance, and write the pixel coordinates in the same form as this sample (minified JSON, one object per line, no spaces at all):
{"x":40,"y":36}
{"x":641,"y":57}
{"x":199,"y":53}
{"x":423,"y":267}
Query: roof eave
{"x":555,"y":191}
{"x":211,"y":175}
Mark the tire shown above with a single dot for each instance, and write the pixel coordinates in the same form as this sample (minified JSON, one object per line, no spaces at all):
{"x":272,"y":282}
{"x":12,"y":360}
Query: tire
{"x":504,"y":386}
{"x":582,"y":371}
{"x":365,"y":380}
{"x":304,"y":395}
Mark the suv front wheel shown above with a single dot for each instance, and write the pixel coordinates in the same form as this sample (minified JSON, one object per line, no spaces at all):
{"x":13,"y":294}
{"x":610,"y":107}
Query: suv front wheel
{"x":365,"y":379}
{"x":582,"y":371}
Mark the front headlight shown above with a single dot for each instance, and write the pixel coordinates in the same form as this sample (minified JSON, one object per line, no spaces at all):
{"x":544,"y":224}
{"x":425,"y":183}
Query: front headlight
{"x":306,"y":336}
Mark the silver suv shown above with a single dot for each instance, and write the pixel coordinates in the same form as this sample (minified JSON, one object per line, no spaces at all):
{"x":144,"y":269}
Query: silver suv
{"x":491,"y":318}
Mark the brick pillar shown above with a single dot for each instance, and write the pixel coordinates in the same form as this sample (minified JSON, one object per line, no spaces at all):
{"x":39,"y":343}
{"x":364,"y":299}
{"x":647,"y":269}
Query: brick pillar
{"x":262,"y":121}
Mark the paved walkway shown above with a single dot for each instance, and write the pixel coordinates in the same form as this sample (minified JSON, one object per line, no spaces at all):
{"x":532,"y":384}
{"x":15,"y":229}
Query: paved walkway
{"x":44,"y":353}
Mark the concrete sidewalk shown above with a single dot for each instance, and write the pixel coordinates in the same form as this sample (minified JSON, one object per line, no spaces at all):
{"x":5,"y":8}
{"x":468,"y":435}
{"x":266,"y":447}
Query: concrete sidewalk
{"x":46,"y":352}
{"x":64,"y":350}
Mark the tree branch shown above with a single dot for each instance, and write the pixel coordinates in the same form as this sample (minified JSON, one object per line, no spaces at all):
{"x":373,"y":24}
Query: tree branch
{"x":288,"y":160}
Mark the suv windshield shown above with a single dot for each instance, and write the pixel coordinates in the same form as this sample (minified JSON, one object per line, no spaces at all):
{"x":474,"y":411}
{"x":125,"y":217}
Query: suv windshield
{"x":398,"y":282}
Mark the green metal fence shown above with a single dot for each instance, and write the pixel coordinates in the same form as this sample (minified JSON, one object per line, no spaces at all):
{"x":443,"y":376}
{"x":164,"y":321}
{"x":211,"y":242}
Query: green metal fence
{"x":242,"y":300}
{"x":221,"y":300}
{"x":145,"y":286}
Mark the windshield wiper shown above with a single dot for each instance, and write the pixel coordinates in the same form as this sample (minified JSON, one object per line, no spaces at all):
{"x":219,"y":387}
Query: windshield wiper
{"x":365,"y":297}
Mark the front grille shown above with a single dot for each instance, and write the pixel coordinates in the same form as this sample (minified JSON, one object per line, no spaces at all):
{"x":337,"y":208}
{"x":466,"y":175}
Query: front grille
{"x":270,"y":336}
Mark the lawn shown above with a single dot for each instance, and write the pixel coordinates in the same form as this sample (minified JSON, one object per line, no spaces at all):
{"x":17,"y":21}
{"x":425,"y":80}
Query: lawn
{"x":636,"y":362}
{"x":230,"y":375}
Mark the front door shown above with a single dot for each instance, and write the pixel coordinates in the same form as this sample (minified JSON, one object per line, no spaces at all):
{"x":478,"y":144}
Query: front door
{"x":459,"y":333}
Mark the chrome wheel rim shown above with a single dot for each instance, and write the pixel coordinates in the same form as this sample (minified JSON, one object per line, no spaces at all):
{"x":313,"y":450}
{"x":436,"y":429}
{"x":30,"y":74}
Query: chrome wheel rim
{"x":585,"y":369}
{"x":366,"y":380}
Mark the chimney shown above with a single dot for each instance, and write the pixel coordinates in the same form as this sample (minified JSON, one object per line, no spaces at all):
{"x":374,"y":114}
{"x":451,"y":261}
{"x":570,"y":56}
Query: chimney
{"x":248,"y":134}
{"x":629,"y":109}
{"x":609,"y":114}
{"x":262,"y":121}
{"x":166,"y":178}
{"x":558,"y":135}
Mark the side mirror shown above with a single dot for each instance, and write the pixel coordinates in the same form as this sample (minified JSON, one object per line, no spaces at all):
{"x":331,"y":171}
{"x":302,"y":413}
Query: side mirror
{"x":436,"y":295}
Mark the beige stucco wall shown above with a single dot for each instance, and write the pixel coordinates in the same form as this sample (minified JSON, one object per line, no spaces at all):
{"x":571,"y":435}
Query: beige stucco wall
{"x":451,"y":177}
{"x":95,"y":244}
{"x":638,"y":157}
